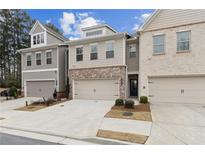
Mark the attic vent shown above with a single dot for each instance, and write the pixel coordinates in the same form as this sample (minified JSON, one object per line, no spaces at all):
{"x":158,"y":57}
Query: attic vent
{"x":93,"y":33}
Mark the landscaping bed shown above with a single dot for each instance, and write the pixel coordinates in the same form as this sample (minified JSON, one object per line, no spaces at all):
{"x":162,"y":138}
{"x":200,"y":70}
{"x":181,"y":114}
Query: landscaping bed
{"x":39,"y":105}
{"x":128,"y":137}
{"x":139,"y":112}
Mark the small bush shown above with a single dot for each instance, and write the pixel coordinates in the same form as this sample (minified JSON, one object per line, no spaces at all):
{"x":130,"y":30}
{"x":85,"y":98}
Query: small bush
{"x":119,"y":102}
{"x":129,"y":104}
{"x":13,"y":92}
{"x":144,"y":99}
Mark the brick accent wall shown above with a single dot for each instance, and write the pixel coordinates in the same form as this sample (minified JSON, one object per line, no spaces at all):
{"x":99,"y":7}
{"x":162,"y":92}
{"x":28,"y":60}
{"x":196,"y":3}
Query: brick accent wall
{"x":114,"y":72}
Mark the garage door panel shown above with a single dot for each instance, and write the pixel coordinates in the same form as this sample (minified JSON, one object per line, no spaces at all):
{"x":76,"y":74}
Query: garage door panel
{"x":177,"y":89}
{"x":96,"y":89}
{"x":40,"y":88}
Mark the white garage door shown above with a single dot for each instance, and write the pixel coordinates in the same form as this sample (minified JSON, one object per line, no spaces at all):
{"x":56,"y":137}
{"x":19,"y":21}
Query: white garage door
{"x":96,"y":89}
{"x":177,"y":90}
{"x":40,"y":88}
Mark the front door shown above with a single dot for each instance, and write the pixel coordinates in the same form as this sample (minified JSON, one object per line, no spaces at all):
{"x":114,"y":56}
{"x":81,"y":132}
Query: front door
{"x":133,"y":87}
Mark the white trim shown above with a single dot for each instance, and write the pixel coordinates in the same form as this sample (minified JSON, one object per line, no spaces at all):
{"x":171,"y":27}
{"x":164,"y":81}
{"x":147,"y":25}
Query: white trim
{"x":133,"y":72}
{"x":27,"y":80}
{"x":28,"y":53}
{"x":40,"y":70}
{"x":124,"y":52}
{"x":40,"y":44}
{"x":91,"y":44}
{"x":36,"y":58}
{"x":156,"y":34}
{"x":110,"y":41}
{"x":78,"y":46}
{"x":49,"y":79}
{"x":51,"y":51}
{"x":58,"y":73}
{"x":148,"y":20}
{"x":33,"y":28}
{"x":73,"y":89}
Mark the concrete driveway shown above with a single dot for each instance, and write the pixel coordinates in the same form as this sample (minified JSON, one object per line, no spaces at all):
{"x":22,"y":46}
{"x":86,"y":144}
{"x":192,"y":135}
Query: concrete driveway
{"x":177,"y":124}
{"x":77,"y":118}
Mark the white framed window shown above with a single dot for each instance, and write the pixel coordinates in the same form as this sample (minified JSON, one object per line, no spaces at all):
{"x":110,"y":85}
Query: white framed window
{"x":183,"y":41}
{"x":48,"y":57}
{"x":109,"y":50}
{"x":38,"y":39}
{"x":28,"y":60}
{"x":38,"y":58}
{"x":132,"y":49}
{"x":79,"y":54}
{"x":159,"y":44}
{"x":93,"y":52}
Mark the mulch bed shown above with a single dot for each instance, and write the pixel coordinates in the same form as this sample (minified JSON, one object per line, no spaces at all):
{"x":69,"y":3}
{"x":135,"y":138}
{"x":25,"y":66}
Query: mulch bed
{"x":128,"y":137}
{"x":139,"y":112}
{"x":137,"y":108}
{"x":38,"y":105}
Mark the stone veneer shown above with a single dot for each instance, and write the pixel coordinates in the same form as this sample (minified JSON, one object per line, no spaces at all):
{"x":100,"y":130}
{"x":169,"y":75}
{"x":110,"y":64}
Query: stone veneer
{"x":114,"y":72}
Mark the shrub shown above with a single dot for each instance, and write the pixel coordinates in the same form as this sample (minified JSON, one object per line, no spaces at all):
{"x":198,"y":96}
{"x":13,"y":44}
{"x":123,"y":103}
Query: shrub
{"x":144,"y":99}
{"x":129,"y":104}
{"x":119,"y":102}
{"x":13,"y":92}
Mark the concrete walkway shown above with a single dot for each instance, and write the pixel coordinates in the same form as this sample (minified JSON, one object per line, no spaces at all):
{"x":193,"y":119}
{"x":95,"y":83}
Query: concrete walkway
{"x":177,"y":124}
{"x":77,"y":118}
{"x":127,"y":126}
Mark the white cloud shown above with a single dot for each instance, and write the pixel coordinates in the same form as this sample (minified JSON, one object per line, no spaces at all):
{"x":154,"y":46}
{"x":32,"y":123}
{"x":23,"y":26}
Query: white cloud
{"x":48,"y":21}
{"x":136,"y":26}
{"x":140,"y":19}
{"x":85,"y":14}
{"x":66,"y":22}
{"x":73,"y":38}
{"x":145,"y":16}
{"x":73,"y":23}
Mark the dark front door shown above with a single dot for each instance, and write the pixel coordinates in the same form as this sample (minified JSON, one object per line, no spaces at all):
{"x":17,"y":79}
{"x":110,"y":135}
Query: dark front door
{"x":133,"y":87}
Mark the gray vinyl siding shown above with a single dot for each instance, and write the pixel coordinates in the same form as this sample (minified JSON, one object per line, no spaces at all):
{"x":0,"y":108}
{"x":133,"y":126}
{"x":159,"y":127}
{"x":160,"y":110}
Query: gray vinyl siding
{"x":62,"y":69}
{"x":175,"y":17}
{"x":43,"y":60}
{"x":38,"y":29}
{"x":38,"y":76}
{"x":132,"y":63}
{"x":52,"y":39}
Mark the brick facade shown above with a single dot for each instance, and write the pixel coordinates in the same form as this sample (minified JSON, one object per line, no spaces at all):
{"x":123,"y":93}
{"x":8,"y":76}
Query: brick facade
{"x":114,"y":72}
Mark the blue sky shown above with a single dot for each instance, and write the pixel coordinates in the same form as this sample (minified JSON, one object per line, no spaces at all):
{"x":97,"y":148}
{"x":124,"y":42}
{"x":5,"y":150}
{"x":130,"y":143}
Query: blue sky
{"x":71,"y":21}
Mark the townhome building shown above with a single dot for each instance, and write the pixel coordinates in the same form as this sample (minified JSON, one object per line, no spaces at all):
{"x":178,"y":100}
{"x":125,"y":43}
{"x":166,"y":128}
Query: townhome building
{"x":103,"y":64}
{"x":172,"y":57}
{"x":44,"y":64}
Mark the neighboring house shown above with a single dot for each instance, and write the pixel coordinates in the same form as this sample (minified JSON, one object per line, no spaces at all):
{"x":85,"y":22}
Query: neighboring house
{"x":172,"y":57}
{"x":44,"y":65}
{"x":103,"y":64}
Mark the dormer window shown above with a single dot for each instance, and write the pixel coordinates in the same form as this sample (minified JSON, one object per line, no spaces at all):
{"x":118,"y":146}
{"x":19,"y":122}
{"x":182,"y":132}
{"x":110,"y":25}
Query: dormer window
{"x":93,"y":33}
{"x":38,"y":39}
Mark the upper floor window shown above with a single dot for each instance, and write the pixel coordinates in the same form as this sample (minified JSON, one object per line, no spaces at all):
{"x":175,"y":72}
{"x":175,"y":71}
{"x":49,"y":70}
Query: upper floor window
{"x":110,"y":50}
{"x":79,"y":54}
{"x":94,"y":52}
{"x":48,"y":57}
{"x":38,"y":58}
{"x":132,"y":50}
{"x":183,"y":39}
{"x":93,"y":33}
{"x":28,"y":59}
{"x":158,"y":44}
{"x":38,"y":39}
